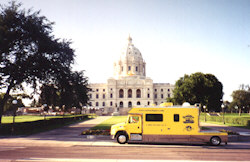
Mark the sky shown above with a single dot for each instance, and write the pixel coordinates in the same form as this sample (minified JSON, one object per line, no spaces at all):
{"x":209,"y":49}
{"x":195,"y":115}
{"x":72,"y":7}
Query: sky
{"x":175,"y":37}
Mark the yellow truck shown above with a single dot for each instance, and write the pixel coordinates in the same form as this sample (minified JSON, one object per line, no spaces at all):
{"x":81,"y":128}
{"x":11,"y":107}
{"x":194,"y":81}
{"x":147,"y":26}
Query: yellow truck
{"x":173,"y":124}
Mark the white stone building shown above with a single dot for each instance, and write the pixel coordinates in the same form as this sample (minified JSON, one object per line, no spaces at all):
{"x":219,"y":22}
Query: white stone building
{"x":129,"y":86}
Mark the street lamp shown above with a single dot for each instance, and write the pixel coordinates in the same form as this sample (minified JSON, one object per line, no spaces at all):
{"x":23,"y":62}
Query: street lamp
{"x":204,"y":107}
{"x":236,"y":107}
{"x":222,"y":107}
{"x":44,"y":108}
{"x":14,"y":102}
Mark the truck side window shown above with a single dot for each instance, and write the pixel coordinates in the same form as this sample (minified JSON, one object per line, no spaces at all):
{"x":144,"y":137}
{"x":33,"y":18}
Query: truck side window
{"x":133,"y":119}
{"x":176,"y":118}
{"x":154,"y":117}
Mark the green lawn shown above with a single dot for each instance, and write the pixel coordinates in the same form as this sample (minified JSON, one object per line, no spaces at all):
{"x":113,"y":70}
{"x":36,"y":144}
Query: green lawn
{"x":233,"y":114}
{"x":108,"y":123}
{"x":29,"y":118}
{"x":231,"y":119}
{"x":119,"y":119}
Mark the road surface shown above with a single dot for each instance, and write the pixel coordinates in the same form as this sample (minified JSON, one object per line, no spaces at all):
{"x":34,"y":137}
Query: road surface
{"x":66,"y":144}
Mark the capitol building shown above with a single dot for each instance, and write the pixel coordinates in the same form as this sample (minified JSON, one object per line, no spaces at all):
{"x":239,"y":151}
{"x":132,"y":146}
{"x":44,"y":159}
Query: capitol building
{"x":129,"y":86}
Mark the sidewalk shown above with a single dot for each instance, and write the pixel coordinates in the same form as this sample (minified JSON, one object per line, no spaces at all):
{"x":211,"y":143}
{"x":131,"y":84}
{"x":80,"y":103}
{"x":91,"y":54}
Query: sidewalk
{"x":68,"y":133}
{"x":225,"y":127}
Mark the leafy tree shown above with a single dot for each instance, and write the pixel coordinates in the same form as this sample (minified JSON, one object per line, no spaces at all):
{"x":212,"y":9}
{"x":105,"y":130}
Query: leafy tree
{"x":9,"y":106}
{"x":34,"y":103}
{"x":70,"y":91}
{"x":241,"y":99}
{"x":49,"y":95}
{"x":29,"y":52}
{"x":199,"y":88}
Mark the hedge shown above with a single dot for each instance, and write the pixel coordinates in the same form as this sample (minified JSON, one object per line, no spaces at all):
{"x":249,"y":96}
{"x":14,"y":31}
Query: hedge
{"x":26,"y":128}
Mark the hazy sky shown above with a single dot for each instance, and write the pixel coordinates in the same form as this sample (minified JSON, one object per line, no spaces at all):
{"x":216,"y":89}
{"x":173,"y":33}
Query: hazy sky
{"x":175,"y":37}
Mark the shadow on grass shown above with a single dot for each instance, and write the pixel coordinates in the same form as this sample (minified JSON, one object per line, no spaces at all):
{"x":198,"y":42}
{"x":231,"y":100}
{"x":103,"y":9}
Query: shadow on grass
{"x":29,"y":128}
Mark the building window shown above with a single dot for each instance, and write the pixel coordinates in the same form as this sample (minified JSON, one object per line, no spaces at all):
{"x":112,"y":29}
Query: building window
{"x":154,"y":117}
{"x":96,"y":104}
{"x":97,"y":90}
{"x":176,"y":118}
{"x":162,"y":96}
{"x":129,"y":104}
{"x":138,"y":93}
{"x":168,"y":90}
{"x":111,"y":95}
{"x":103,"y":104}
{"x":148,"y":89}
{"x":156,"y":103}
{"x":103,"y":96}
{"x":155,"y":90}
{"x":148,"y":95}
{"x":130,"y":93}
{"x":111,"y":89}
{"x":138,"y":103}
{"x":168,"y":95}
{"x":90,"y":104}
{"x":129,"y":68}
{"x":122,"y":68}
{"x":136,"y":68}
{"x":121,"y":93}
{"x":161,"y":90}
{"x":103,"y":90}
{"x":148,"y":103}
{"x":97,"y":96}
{"x":121,"y":104}
{"x":90,"y":96}
{"x":111,"y":103}
{"x":155,"y":95}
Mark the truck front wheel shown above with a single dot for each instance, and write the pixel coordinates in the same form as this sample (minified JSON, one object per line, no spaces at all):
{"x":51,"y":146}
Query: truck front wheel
{"x":122,"y":138}
{"x":215,"y":141}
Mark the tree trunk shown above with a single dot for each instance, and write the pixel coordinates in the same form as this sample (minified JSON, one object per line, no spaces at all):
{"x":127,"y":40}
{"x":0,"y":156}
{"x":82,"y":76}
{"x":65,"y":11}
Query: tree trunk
{"x":4,"y":100}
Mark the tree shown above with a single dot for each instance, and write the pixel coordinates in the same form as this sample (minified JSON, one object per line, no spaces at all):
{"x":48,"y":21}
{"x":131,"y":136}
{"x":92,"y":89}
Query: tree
{"x":9,"y":106}
{"x":49,"y":95}
{"x":70,"y":91}
{"x":29,"y":52}
{"x":199,"y":88}
{"x":241,"y":99}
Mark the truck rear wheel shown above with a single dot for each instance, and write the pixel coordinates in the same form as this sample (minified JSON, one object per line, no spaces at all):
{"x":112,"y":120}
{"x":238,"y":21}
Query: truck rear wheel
{"x":122,"y":138}
{"x":215,"y":141}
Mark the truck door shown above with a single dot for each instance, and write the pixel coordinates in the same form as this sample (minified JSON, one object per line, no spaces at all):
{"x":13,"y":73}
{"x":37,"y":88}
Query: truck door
{"x":134,"y":124}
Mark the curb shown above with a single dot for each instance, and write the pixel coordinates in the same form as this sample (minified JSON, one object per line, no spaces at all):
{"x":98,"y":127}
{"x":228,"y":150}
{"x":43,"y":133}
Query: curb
{"x":238,"y":138}
{"x":231,"y":138}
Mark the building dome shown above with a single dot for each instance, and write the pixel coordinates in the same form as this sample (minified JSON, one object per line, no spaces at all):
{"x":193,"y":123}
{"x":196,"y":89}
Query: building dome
{"x":130,"y":62}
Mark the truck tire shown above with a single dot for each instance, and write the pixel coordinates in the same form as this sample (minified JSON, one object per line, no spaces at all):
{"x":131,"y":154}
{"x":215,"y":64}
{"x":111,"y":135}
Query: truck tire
{"x":215,"y":141}
{"x":122,"y":138}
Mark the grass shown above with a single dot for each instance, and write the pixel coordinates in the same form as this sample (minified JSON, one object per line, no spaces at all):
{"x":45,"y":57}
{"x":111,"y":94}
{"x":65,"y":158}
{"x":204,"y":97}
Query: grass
{"x":30,"y":118}
{"x":106,"y":125}
{"x":33,"y":124}
{"x":233,"y":114}
{"x":227,"y":124}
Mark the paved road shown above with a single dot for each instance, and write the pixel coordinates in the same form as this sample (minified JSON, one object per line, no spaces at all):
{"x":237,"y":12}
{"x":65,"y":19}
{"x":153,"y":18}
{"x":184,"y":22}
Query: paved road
{"x":66,"y":144}
{"x":201,"y":153}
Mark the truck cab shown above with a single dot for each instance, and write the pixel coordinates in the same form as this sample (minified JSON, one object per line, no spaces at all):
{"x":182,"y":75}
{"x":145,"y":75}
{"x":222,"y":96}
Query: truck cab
{"x":173,"y":124}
